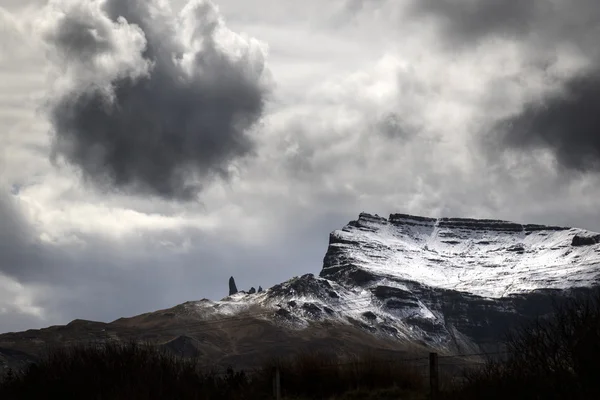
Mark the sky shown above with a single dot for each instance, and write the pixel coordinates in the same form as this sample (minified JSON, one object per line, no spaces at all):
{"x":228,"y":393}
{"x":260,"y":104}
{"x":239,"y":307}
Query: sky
{"x":152,"y":148}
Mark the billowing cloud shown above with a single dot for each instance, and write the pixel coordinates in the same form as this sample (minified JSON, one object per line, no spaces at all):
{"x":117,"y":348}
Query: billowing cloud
{"x":557,"y":43}
{"x":148,"y":102}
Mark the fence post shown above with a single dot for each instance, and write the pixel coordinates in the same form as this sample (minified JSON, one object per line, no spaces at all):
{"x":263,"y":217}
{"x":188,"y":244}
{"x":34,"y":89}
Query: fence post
{"x":276,"y":383}
{"x":434,"y":382}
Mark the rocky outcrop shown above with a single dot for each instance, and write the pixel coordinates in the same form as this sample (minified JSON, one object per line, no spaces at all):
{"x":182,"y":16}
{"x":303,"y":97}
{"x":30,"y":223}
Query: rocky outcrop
{"x":306,"y":285}
{"x":232,"y":287}
{"x":462,"y":223}
{"x":585,"y":240}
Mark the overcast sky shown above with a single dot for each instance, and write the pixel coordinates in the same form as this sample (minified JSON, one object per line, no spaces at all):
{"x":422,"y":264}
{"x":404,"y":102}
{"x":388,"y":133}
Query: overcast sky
{"x":151,"y":149}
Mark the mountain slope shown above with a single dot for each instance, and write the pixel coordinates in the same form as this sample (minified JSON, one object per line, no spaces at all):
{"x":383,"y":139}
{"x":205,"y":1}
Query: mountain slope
{"x":405,"y":283}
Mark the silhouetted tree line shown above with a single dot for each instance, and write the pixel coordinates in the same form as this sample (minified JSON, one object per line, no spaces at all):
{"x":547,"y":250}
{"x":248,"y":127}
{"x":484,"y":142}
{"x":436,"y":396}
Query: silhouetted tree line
{"x":137,"y":371}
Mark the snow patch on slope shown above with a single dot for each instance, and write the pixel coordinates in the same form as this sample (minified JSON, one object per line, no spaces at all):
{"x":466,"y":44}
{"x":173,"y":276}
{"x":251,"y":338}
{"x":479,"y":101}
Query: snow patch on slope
{"x":487,"y":258}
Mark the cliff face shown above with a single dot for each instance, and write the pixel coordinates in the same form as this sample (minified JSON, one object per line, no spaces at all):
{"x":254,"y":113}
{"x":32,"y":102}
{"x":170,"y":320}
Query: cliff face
{"x":482,"y":257}
{"x":460,"y":281}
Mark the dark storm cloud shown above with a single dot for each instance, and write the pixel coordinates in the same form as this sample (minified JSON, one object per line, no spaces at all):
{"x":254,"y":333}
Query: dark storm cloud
{"x":168,"y":131}
{"x":566,"y":122}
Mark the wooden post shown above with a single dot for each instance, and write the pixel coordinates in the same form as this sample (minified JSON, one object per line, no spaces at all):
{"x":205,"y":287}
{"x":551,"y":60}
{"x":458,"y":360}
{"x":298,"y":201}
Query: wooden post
{"x":434,"y":381}
{"x":276,"y":383}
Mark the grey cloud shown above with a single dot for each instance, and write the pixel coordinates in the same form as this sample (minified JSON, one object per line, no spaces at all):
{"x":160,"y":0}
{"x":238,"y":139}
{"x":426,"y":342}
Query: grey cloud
{"x":542,"y":24}
{"x":21,"y":253}
{"x":171,"y":131}
{"x":464,"y":20}
{"x":461,"y":21}
{"x":298,"y":151}
{"x":80,"y":38}
{"x":353,"y":6}
{"x":13,"y":320}
{"x":566,"y":122}
{"x":392,"y":126}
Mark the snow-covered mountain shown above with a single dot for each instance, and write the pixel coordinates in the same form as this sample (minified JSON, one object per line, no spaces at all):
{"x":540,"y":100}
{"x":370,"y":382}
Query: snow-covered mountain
{"x":452,"y":284}
{"x":481,"y":257}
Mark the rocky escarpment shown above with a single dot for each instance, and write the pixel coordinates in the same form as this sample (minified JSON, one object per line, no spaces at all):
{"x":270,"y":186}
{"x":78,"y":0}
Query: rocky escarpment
{"x":484,"y":257}
{"x":461,"y":280}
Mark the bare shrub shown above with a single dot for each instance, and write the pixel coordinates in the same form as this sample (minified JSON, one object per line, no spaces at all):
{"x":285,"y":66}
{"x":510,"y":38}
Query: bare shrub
{"x":553,"y":358}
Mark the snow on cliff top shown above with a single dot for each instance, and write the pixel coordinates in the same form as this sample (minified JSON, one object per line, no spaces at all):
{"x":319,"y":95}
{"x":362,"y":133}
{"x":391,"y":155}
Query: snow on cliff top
{"x":483,"y":257}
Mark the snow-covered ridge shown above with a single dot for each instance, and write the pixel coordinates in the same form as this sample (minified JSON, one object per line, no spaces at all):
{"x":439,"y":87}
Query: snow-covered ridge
{"x":454,"y":284}
{"x":461,"y":223}
{"x":489,"y":258}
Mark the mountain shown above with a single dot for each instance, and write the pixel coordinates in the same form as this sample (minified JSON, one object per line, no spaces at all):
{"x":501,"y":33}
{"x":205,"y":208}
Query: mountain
{"x":396,"y":285}
{"x":459,"y":283}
